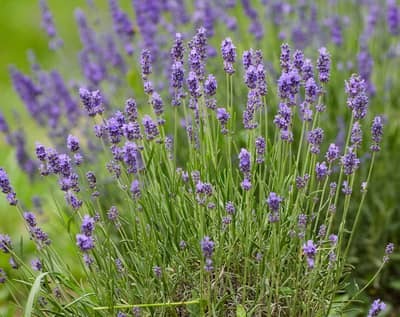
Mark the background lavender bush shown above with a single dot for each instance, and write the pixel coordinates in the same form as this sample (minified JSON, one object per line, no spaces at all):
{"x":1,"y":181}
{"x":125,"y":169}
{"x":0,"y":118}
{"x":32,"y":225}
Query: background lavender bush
{"x":109,"y":61}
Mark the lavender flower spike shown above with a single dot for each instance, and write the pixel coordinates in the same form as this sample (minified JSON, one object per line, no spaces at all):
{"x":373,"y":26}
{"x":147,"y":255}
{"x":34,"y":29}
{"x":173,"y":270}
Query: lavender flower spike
{"x":92,"y":101}
{"x":324,"y":65}
{"x":228,"y":51}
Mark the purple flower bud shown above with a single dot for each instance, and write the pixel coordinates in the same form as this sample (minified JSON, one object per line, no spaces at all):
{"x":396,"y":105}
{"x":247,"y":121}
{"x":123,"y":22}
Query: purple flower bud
{"x":145,"y":63}
{"x":177,"y":75}
{"x":87,"y":225}
{"x":157,"y":271}
{"x":307,"y":70}
{"x":210,"y":85}
{"x":208,"y":265}
{"x":274,"y":201}
{"x":357,"y":99}
{"x":333,"y":153}
{"x":260,"y":149}
{"x":315,"y":138}
{"x":288,"y":84}
{"x":301,"y":181}
{"x":310,"y":250}
{"x":377,"y":129}
{"x":30,"y":219}
{"x":193,"y":85}
{"x":250,"y":77}
{"x":196,"y":64}
{"x":135,"y":189}
{"x":356,"y":134}
{"x":244,"y":161}
{"x":92,"y":101}
{"x":346,"y":189}
{"x":112,"y":213}
{"x":207,"y":247}
{"x":131,"y":110}
{"x":246,"y":184}
{"x":247,"y":59}
{"x":285,"y":58}
{"x":350,"y":162}
{"x":302,"y":221}
{"x":91,"y":178}
{"x":228,"y":50}
{"x":298,"y":60}
{"x":376,"y":307}
{"x":388,"y":251}
{"x":223,"y":116}
{"x":3,"y":276}
{"x":72,"y":143}
{"x":333,"y":238}
{"x":178,"y":48}
{"x":230,"y":208}
{"x":324,"y":65}
{"x":84,"y":242}
{"x":321,"y":170}
{"x":150,"y":128}
{"x":157,"y":104}
{"x":36,"y":265}
{"x":73,"y":201}
{"x":5,"y":243}
{"x":311,"y":90}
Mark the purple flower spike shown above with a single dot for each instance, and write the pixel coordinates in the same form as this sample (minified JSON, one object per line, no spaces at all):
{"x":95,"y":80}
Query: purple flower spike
{"x":333,"y":153}
{"x":321,"y":170}
{"x":72,"y":143}
{"x":228,"y":51}
{"x":310,"y":250}
{"x":260,"y":149}
{"x":145,"y":62}
{"x":324,"y":65}
{"x":84,"y":242}
{"x":207,"y":247}
{"x":350,"y":162}
{"x":92,"y":101}
{"x":285,"y":58}
{"x":178,"y":48}
{"x":274,"y":201}
{"x":244,"y":161}
{"x":150,"y":128}
{"x":36,"y":265}
{"x":315,"y":138}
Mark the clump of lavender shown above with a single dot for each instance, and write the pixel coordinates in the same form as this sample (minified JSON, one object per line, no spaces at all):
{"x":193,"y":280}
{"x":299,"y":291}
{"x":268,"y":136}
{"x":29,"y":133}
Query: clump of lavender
{"x":166,"y":192}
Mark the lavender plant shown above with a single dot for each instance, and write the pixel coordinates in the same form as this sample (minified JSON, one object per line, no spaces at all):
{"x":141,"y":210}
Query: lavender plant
{"x":216,"y":216}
